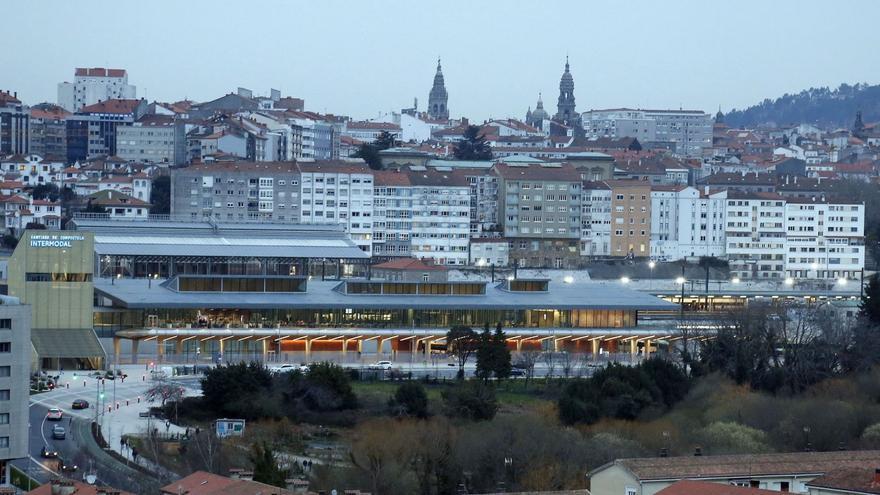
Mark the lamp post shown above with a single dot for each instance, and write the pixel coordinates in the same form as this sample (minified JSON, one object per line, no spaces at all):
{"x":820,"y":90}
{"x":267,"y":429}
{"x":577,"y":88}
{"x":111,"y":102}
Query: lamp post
{"x":681,"y":281}
{"x":651,"y":265}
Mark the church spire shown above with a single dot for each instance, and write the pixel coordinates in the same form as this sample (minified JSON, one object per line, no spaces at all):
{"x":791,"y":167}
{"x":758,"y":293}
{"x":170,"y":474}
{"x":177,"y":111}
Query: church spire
{"x":438,"y":97}
{"x":565,"y":106}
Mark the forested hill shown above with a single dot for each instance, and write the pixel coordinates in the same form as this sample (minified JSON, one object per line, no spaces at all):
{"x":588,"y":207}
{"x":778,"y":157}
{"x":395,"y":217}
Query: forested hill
{"x":820,"y":106}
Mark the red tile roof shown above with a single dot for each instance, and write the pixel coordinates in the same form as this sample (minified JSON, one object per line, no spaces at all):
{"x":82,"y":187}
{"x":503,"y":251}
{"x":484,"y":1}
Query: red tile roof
{"x":851,"y":480}
{"x":563,"y":172}
{"x":112,"y":106}
{"x":6,"y":97}
{"x":79,"y":488}
{"x":691,"y":487}
{"x":100,"y":72}
{"x":202,"y":483}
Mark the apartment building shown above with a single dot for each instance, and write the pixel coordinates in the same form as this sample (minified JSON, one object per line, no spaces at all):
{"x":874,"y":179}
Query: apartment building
{"x":48,"y":131}
{"x":686,"y":222}
{"x":539,"y":207}
{"x":15,"y":369}
{"x":484,"y":203}
{"x":630,"y":218}
{"x":152,"y":139}
{"x":91,"y":86}
{"x":755,"y":235}
{"x":339,"y":192}
{"x":825,"y":239}
{"x":686,"y":132}
{"x":441,"y":216}
{"x":14,"y":125}
{"x":392,"y":214}
{"x":92,"y":131}
{"x":237,"y":191}
{"x":596,"y":219}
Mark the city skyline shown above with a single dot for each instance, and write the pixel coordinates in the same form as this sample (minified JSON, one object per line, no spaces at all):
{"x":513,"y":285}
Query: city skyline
{"x":336,"y":63}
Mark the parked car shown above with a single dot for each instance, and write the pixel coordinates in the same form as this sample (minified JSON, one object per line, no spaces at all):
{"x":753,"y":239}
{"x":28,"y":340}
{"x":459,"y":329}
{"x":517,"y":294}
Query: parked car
{"x":80,"y":404}
{"x":47,"y":453}
{"x":381,"y":365}
{"x":54,"y":414}
{"x":58,"y":432}
{"x":517,"y":372}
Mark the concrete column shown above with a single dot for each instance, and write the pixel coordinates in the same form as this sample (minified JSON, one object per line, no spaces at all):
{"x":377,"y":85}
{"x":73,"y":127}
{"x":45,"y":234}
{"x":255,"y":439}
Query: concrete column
{"x":178,"y":348}
{"x":160,"y":350}
{"x":428,"y":348}
{"x":632,"y":347}
{"x":360,"y":346}
{"x":519,"y":343}
{"x":134,"y":350}
{"x":595,"y":343}
{"x":117,"y":345}
{"x":222,"y":346}
{"x":556,"y":344}
{"x":265,"y":347}
{"x":647,"y":347}
{"x":308,"y":350}
{"x":344,"y":349}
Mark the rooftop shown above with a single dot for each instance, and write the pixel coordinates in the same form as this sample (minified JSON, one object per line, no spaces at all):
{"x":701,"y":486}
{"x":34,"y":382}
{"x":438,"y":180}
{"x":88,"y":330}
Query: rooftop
{"x":203,"y":483}
{"x":693,"y":487}
{"x":851,"y":480}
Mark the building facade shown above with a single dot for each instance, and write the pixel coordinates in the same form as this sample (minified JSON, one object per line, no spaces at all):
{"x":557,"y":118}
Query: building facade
{"x":339,"y":193}
{"x":91,"y":86}
{"x":14,"y":125}
{"x":237,"y":192}
{"x":15,"y":372}
{"x":152,"y":139}
{"x":630,"y":218}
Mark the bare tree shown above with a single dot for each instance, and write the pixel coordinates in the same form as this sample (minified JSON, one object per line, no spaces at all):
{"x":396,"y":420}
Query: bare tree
{"x":526,"y":361}
{"x":462,"y":342}
{"x":567,"y":363}
{"x":165,"y":391}
{"x":205,"y":446}
{"x":550,"y":361}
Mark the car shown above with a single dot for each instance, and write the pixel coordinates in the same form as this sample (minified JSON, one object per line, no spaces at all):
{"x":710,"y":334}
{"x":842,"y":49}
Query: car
{"x":47,"y":453}
{"x":80,"y":404}
{"x":58,"y":432}
{"x":65,"y":467}
{"x":517,"y":372}
{"x":54,"y":414}
{"x":381,"y":365}
{"x":284,"y":368}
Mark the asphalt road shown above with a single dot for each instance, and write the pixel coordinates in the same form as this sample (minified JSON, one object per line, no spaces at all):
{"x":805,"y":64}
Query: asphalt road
{"x":79,"y":447}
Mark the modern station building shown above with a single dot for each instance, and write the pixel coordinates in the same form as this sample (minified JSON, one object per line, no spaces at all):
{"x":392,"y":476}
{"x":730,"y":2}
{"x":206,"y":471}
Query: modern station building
{"x":202,"y":290}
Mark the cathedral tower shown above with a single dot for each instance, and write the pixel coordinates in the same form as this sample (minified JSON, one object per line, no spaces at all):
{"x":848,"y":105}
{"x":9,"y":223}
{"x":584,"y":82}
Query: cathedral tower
{"x":437,"y":98}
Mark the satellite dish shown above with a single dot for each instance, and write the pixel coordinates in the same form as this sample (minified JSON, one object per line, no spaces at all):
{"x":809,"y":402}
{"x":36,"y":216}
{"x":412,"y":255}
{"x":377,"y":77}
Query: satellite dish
{"x":91,"y":478}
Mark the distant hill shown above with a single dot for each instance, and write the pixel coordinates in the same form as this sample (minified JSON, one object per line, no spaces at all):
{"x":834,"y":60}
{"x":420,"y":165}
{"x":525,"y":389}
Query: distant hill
{"x":820,"y":106}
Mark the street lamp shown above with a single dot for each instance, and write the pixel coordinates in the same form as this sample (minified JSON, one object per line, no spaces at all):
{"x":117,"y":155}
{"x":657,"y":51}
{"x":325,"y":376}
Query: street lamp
{"x":842,"y":281}
{"x":651,"y":265}
{"x":624,"y":279}
{"x":735,"y":280}
{"x":680,"y":281}
{"x":789,"y":281}
{"x":568,"y":279}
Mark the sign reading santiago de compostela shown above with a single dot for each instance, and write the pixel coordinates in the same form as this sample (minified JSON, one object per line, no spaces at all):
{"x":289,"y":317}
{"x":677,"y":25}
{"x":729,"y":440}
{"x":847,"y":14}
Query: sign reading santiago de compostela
{"x":54,"y":240}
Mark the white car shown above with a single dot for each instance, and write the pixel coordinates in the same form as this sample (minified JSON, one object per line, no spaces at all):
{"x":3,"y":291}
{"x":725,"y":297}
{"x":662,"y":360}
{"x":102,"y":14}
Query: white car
{"x":54,"y":414}
{"x":381,"y":365}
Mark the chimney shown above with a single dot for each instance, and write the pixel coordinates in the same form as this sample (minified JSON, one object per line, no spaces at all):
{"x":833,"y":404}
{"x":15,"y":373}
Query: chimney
{"x":698,"y":452}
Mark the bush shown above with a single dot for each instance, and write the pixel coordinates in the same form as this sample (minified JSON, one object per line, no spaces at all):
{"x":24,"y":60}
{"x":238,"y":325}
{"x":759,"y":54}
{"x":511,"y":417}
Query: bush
{"x":470,"y":400}
{"x":325,"y":387}
{"x":410,"y":399}
{"x":727,"y":437}
{"x":240,"y":391}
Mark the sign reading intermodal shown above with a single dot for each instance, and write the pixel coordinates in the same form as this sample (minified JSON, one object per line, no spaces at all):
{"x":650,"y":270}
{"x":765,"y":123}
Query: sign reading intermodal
{"x":54,"y":240}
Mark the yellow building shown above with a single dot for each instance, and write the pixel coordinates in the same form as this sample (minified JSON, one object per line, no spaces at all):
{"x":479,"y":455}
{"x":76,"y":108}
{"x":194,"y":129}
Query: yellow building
{"x":52,"y":272}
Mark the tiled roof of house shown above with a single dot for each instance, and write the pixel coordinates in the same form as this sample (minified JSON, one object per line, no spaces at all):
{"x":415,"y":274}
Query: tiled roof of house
{"x":202,"y":483}
{"x":692,"y":487}
{"x":564,"y":172}
{"x":112,"y":106}
{"x":850,"y":480}
{"x":751,"y":465}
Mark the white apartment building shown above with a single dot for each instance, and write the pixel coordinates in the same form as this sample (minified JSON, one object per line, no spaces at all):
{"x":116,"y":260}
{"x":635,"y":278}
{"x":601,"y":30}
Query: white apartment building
{"x":392,"y":214}
{"x":339,"y":193}
{"x":90,"y":86}
{"x":686,"y":223}
{"x":755,"y":235}
{"x":489,"y":252}
{"x":687,"y":131}
{"x":15,"y":369}
{"x":596,"y":219}
{"x":824,"y":239}
{"x":368,"y":132}
{"x":33,"y":170}
{"x":441,"y":216}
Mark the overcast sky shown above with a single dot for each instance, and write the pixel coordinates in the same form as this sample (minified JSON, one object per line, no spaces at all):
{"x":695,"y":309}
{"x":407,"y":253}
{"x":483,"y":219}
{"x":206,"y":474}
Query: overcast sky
{"x":359,"y":58}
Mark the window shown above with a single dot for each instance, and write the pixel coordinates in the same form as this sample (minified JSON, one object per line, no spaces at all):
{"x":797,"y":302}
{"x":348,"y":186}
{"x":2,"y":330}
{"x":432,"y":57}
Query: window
{"x":4,"y":394}
{"x":5,"y":346}
{"x":4,"y":442}
{"x":5,"y":371}
{"x":4,"y":418}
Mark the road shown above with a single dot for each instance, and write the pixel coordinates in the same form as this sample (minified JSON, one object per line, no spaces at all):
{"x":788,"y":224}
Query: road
{"x":80,"y":447}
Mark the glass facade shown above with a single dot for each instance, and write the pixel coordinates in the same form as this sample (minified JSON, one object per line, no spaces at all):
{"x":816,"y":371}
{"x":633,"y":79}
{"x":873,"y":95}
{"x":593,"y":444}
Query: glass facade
{"x":111,"y":320}
{"x":141,"y":266}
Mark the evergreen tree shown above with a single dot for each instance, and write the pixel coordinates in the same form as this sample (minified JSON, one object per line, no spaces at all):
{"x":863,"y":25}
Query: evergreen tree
{"x":473,"y":145}
{"x":485,"y":354}
{"x":501,"y":359}
{"x":266,"y":468}
{"x":869,"y":309}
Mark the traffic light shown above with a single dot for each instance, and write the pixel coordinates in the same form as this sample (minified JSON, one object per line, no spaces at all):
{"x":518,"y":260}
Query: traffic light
{"x":101,"y":395}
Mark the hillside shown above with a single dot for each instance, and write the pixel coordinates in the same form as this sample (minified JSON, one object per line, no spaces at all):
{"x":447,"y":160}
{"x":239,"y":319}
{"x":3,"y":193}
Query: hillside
{"x":821,"y":106}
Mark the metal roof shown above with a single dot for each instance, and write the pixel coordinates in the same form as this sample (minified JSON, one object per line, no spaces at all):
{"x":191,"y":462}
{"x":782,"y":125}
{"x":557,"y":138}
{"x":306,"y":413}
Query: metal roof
{"x":66,"y":343}
{"x":199,"y":245}
{"x":138,"y":293}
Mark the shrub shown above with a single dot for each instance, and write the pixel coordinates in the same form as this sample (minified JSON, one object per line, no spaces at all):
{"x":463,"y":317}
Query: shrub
{"x":410,"y":399}
{"x":470,"y":400}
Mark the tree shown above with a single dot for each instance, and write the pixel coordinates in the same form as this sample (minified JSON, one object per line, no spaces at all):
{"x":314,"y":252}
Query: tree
{"x":325,"y":387}
{"x":869,"y":308}
{"x":94,"y":208}
{"x":485,"y":355}
{"x":266,"y":469}
{"x":164,"y":391}
{"x":160,"y":195}
{"x":461,"y":341}
{"x":46,"y":191}
{"x":472,"y":400}
{"x":725,"y":437}
{"x":369,"y":152}
{"x":238,"y":390}
{"x":501,"y":358}
{"x":473,"y":145}
{"x":10,"y":241}
{"x":526,"y":361}
{"x":410,"y":399}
